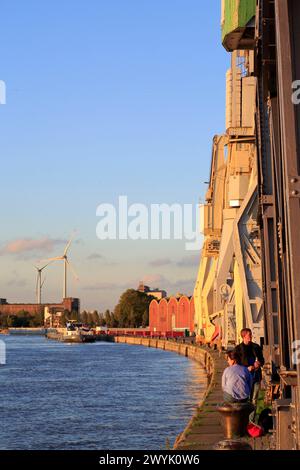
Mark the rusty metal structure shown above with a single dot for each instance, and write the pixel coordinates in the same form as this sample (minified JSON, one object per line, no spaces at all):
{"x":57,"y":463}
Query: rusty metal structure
{"x":277,"y":67}
{"x":249,"y":274}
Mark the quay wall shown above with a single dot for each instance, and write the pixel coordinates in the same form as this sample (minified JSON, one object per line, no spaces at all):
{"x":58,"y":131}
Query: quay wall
{"x":202,"y":355}
{"x":27,"y":331}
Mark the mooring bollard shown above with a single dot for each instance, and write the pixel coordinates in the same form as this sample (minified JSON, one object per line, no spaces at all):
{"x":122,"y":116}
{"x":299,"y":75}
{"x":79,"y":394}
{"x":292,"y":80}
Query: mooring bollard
{"x":232,"y":444}
{"x":235,"y":417}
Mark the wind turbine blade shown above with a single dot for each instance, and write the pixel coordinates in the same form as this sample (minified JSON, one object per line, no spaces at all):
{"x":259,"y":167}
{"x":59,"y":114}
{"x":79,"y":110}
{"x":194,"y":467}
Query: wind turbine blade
{"x":68,"y":245}
{"x":73,"y":270}
{"x":43,"y":282}
{"x":46,"y":265}
{"x":57,"y":258}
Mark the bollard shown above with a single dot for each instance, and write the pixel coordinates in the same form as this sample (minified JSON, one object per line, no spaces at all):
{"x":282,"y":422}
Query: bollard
{"x":232,"y":444}
{"x":235,"y":417}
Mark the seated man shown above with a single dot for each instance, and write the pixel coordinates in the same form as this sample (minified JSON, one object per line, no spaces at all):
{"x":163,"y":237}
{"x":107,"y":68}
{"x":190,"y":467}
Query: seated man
{"x":236,"y":380}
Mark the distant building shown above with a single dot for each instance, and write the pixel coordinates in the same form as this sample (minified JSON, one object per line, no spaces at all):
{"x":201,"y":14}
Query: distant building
{"x":53,"y":317}
{"x":172,"y":314}
{"x":68,"y":305}
{"x":157,"y":293}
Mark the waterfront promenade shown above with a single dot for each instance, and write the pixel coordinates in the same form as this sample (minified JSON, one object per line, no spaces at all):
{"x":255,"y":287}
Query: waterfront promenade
{"x":204,"y":430}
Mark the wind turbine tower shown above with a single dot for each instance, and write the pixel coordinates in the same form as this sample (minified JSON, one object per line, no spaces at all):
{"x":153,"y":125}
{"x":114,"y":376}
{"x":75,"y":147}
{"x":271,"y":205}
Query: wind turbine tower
{"x":40,"y":283}
{"x":67,"y":265}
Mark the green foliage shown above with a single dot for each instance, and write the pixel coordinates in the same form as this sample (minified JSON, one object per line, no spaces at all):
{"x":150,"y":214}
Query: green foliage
{"x":110,"y":320}
{"x":132,"y":309}
{"x":101,"y":320}
{"x":92,"y":319}
{"x":37,"y":320}
{"x":3,"y":321}
{"x":95,"y":318}
{"x":145,"y":318}
{"x":63,"y":318}
{"x":74,"y":316}
{"x":260,"y":404}
{"x":84,"y":317}
{"x":22,"y":319}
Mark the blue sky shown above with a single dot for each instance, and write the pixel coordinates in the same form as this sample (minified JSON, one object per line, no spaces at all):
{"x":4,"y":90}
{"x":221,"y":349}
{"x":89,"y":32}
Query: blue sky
{"x":104,"y":98}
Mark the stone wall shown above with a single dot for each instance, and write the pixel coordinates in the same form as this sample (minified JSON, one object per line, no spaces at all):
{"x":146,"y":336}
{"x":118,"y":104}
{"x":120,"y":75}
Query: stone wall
{"x":199,"y":354}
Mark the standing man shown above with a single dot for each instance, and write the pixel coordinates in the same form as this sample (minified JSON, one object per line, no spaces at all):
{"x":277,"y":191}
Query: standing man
{"x":252,"y":357}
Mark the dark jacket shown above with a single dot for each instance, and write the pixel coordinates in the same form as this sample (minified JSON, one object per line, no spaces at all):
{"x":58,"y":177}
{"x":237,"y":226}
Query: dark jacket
{"x":248,"y":353}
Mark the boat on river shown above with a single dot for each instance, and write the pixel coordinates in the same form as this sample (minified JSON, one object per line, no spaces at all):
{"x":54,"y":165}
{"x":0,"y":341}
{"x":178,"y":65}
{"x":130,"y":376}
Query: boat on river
{"x":4,"y":331}
{"x":74,"y":332}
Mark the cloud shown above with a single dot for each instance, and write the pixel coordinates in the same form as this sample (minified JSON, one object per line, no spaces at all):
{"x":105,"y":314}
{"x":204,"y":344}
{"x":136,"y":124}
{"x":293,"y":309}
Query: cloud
{"x":185,"y":286}
{"x":27,"y":246}
{"x":192,"y":260}
{"x":103,"y":259}
{"x":188,"y":261}
{"x":154,"y":280}
{"x":157,"y":263}
{"x":101,"y":286}
{"x":115,"y":289}
{"x":18,"y":283}
{"x":94,"y":256}
{"x":111,"y":286}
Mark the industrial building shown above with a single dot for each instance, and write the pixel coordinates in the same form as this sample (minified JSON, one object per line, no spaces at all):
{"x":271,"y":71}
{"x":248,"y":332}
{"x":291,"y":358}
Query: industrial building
{"x":172,"y":314}
{"x":68,"y":305}
{"x":157,"y":293}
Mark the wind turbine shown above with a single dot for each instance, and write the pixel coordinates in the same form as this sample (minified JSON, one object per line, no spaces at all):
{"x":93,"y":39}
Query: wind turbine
{"x":67,"y":264}
{"x":39,"y":283}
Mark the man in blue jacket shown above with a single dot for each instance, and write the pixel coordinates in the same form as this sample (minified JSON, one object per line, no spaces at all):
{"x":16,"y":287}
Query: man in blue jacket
{"x":236,"y":380}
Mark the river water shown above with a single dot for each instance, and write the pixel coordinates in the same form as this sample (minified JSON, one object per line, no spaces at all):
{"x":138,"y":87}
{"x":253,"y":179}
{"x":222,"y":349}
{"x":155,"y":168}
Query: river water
{"x":94,"y":396}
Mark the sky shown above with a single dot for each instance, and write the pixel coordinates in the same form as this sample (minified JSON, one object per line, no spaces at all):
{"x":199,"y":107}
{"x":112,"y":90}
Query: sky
{"x":104,"y":98}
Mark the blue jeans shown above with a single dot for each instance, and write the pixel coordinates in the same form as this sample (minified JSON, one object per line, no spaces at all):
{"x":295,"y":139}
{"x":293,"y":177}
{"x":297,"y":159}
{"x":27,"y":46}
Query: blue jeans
{"x":230,"y":399}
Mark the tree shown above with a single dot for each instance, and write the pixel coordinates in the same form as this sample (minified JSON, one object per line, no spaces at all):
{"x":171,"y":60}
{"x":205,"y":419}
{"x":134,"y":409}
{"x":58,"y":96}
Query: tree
{"x":108,"y":319}
{"x":146,"y":318}
{"x":84,"y":317}
{"x":132,"y":309}
{"x":63,"y":319}
{"x":3,"y":321}
{"x":75,"y":316}
{"x":37,"y":320}
{"x":22,"y":320}
{"x":95,"y":317}
{"x":101,"y":320}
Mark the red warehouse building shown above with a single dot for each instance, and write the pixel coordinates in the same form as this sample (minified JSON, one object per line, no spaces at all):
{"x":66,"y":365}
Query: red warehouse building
{"x":153,"y":315}
{"x":171,"y":314}
{"x":163,"y":318}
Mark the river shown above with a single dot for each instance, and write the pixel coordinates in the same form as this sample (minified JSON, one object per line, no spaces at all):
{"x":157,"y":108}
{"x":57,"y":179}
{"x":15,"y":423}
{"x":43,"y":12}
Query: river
{"x":94,"y":396}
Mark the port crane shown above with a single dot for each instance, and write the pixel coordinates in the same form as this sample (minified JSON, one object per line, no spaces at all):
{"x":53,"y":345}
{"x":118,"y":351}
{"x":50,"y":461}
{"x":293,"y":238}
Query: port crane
{"x":249,"y":274}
